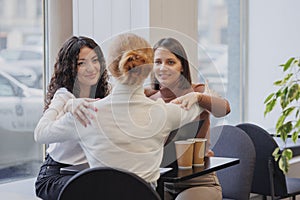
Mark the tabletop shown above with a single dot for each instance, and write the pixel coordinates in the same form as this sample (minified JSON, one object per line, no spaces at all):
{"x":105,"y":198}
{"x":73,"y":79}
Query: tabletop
{"x":211,"y":164}
{"x":175,"y":175}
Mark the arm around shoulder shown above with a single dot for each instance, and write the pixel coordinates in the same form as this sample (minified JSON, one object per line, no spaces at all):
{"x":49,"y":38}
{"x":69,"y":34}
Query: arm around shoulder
{"x":51,"y":128}
{"x":209,"y":100}
{"x":50,"y":131}
{"x":217,"y":106}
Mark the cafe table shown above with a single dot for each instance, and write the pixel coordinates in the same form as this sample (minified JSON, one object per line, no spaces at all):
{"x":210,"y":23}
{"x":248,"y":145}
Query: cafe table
{"x":175,"y":174}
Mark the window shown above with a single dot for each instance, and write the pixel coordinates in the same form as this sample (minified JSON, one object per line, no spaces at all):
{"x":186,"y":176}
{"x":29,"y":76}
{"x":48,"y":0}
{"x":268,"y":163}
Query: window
{"x":21,"y":94}
{"x":220,"y":52}
{"x":1,"y":8}
{"x":21,"y":8}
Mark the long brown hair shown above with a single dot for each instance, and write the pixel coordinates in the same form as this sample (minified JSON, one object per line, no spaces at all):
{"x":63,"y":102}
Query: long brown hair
{"x":177,"y":49}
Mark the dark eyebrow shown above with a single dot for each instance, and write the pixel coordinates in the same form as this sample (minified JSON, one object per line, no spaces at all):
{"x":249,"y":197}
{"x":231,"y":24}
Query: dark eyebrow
{"x":91,"y":58}
{"x":170,"y":59}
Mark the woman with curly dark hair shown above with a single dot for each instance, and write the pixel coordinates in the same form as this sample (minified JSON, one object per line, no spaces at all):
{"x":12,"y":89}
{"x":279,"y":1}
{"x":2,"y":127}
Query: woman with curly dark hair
{"x":79,"y":72}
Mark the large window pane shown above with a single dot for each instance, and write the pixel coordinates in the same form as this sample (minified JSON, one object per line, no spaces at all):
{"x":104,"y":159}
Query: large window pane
{"x":219,"y":52}
{"x":21,"y":94}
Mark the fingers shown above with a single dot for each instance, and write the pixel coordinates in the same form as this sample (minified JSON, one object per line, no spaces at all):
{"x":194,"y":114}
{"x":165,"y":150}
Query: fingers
{"x":186,"y":101}
{"x":89,"y":104}
{"x":83,"y":109}
{"x":186,"y":104}
{"x":82,"y":114}
{"x":210,"y":153}
{"x":176,"y":101}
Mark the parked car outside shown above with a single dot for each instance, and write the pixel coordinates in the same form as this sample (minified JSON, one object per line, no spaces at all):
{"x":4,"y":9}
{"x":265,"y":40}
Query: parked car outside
{"x":20,"y":109}
{"x":23,"y":53}
{"x":29,"y":73}
{"x":20,"y":106}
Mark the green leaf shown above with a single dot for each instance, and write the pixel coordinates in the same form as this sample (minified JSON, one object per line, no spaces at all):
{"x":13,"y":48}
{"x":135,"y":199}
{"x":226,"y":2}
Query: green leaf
{"x":284,"y":130}
{"x":295,"y":136}
{"x":280,"y":121}
{"x":288,"y":63}
{"x":283,"y":99}
{"x":276,"y":154}
{"x":286,"y":78}
{"x":288,"y":111}
{"x":298,"y":93}
{"x":293,"y":92}
{"x":278,"y":93}
{"x":283,"y":136}
{"x":297,"y":125}
{"x":268,"y":98}
{"x":270,"y":106}
{"x":283,"y":164}
{"x":288,"y":153}
{"x":278,"y":83}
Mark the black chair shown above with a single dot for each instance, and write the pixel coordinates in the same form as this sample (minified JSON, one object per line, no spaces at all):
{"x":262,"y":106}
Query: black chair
{"x":230,"y":141}
{"x":109,"y":184}
{"x":268,"y":179}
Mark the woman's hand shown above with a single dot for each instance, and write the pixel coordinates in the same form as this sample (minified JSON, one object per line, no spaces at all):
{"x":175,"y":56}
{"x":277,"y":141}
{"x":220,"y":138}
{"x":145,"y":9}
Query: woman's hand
{"x":210,"y":153}
{"x":186,"y":101}
{"x":82,"y":109}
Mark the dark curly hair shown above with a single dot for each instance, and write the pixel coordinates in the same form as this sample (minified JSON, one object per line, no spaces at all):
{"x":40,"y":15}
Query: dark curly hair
{"x":65,"y":69}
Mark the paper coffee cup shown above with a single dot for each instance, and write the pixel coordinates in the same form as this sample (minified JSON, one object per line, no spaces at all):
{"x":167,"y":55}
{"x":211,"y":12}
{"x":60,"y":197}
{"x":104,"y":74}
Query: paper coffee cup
{"x":199,"y":151}
{"x":184,"y":153}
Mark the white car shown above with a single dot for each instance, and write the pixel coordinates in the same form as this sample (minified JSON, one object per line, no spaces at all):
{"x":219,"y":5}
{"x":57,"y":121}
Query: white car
{"x":25,"y":64}
{"x":22,"y":54}
{"x":21,"y":107}
{"x":29,"y":73}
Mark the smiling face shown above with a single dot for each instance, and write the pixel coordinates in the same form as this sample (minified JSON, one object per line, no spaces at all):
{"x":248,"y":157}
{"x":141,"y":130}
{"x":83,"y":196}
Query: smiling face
{"x":88,"y":67}
{"x":167,"y":67}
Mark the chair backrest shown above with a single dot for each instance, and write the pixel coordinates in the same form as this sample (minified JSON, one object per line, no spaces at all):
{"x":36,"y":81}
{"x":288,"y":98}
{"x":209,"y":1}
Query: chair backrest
{"x":264,"y":146}
{"x":230,"y":141}
{"x":187,"y":131}
{"x":107,"y":183}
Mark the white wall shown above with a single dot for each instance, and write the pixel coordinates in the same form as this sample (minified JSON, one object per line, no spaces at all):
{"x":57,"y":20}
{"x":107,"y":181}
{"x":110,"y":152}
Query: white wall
{"x":274,"y":36}
{"x":102,"y":19}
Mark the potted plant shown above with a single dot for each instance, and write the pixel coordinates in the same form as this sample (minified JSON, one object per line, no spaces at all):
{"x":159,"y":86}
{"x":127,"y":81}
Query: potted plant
{"x":287,"y":98}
